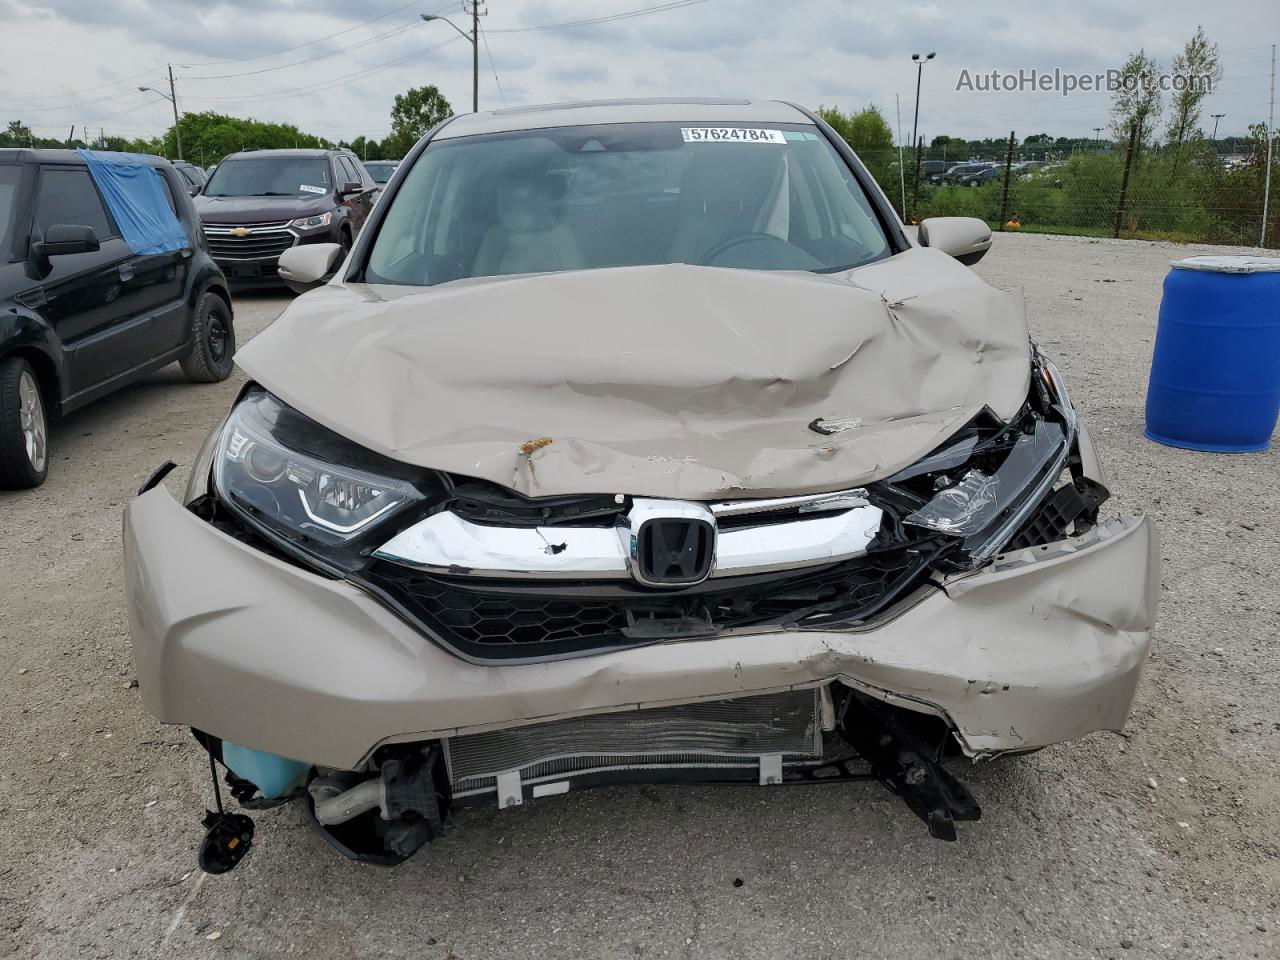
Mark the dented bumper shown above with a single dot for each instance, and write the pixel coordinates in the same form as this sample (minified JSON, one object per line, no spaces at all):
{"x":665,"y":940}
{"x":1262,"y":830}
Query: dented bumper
{"x":1043,"y":646}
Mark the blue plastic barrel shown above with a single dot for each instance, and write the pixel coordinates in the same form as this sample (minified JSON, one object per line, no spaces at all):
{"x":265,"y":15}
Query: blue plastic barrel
{"x":1215,"y":374}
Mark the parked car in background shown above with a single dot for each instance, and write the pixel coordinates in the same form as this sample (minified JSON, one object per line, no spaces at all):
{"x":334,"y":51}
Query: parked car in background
{"x":957,"y":172}
{"x":193,"y":175}
{"x":932,"y":168}
{"x":260,"y":203}
{"x":978,"y":177}
{"x":381,"y":170}
{"x":81,"y":314}
{"x":634,"y":441}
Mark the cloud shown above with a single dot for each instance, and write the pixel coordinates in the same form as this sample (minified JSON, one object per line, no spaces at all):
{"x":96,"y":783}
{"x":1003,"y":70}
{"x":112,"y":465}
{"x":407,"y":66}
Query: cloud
{"x":821,"y":52}
{"x":568,"y":72}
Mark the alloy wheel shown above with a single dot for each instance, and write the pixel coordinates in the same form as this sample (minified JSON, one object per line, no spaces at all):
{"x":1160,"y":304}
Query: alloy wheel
{"x":31,"y":421}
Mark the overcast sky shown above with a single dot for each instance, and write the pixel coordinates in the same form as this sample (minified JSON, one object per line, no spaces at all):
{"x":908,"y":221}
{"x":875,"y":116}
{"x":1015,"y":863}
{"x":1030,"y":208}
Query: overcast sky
{"x":80,"y":61}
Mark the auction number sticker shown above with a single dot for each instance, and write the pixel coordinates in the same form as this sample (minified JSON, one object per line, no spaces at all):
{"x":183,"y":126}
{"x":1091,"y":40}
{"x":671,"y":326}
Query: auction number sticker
{"x":308,"y":188}
{"x":731,"y":135}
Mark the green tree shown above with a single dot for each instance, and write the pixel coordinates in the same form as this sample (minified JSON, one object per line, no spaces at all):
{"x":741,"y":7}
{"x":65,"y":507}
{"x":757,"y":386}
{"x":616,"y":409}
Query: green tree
{"x":1195,"y":71}
{"x":414,"y":112}
{"x":208,"y":137}
{"x":871,"y":137}
{"x":367,"y":148}
{"x":1138,"y":98}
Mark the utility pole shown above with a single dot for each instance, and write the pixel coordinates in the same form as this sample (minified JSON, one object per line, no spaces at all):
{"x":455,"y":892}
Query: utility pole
{"x":475,"y":56}
{"x":1271,"y":129}
{"x":472,"y":38}
{"x":1216,"y":118}
{"x":919,"y":61}
{"x":177,"y":121}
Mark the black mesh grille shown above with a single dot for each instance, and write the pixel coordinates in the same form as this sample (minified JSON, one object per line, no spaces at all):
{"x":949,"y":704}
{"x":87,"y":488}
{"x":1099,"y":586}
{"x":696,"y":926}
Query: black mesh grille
{"x":491,"y":619}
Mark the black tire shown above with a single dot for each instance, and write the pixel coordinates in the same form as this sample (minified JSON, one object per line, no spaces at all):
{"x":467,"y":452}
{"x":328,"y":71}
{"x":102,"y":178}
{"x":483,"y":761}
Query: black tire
{"x":212,"y":355}
{"x":24,"y":427}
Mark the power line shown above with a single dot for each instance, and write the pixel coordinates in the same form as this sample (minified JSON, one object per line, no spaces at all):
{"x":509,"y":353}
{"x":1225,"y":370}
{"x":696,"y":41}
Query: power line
{"x":323,"y":84}
{"x":625,"y":15}
{"x":332,"y":53}
{"x":484,"y":36}
{"x":77,"y":105}
{"x":264,"y":56}
{"x":80,"y":93}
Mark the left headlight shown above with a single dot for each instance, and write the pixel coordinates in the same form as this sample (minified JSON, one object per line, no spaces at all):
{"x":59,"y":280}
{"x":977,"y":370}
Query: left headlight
{"x":289,"y":472}
{"x":312,"y":223}
{"x":986,"y":489}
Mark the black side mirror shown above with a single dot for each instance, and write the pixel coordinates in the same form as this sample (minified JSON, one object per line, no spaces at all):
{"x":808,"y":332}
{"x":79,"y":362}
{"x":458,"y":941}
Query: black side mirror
{"x":350,"y":187}
{"x":194,"y":189}
{"x":64,"y":238}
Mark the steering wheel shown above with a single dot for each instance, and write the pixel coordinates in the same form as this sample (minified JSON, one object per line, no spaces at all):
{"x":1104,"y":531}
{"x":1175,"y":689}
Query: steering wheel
{"x":724,"y":246}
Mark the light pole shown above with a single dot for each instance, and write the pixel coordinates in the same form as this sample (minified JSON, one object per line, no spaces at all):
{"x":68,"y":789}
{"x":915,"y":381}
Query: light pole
{"x":1216,"y":118}
{"x":474,"y":39}
{"x":172,"y":97}
{"x":919,"y":61}
{"x":1097,"y":135}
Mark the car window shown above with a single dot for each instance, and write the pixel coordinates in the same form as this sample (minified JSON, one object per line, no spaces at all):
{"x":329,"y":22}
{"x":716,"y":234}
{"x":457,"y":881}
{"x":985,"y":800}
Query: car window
{"x":278,"y":176}
{"x":565,"y":198}
{"x":381,"y":172}
{"x":348,"y":171}
{"x":9,"y":176}
{"x":168,"y":194}
{"x":67,"y":195}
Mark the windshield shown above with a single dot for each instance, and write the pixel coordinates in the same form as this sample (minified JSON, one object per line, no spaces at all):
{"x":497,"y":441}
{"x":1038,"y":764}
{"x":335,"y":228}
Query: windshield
{"x":381,"y":172}
{"x":8,"y":205}
{"x":569,"y":198}
{"x":270,"y":177}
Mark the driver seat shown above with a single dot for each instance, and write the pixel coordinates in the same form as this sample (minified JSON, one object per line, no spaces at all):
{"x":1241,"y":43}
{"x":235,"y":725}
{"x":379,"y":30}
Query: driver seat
{"x":722,"y":193}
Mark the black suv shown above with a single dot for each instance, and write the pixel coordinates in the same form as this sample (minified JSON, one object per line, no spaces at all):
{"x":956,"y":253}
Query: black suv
{"x":259,"y":203}
{"x":194,"y":176}
{"x":80,"y":313}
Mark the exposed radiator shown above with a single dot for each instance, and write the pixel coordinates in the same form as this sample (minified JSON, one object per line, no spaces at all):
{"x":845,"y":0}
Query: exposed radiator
{"x":732,"y":734}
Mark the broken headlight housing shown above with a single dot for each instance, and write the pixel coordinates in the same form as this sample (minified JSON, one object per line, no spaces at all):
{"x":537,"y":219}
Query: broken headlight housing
{"x":984,"y":484}
{"x":280,"y":469}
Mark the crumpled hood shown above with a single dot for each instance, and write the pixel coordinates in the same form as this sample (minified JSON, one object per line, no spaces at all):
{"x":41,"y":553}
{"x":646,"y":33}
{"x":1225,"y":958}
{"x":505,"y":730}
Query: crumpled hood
{"x":669,"y":381}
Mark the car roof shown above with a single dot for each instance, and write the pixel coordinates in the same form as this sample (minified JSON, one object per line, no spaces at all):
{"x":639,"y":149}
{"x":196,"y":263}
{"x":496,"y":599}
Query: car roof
{"x":290,"y":152}
{"x":25,"y":155}
{"x":584,"y":112}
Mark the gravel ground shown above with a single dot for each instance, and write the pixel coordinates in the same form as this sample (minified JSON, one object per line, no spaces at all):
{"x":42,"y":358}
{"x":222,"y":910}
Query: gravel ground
{"x":1160,"y":843}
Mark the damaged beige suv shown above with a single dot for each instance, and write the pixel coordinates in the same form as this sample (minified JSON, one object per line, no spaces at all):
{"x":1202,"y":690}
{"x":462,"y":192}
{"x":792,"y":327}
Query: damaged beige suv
{"x":634,"y":441}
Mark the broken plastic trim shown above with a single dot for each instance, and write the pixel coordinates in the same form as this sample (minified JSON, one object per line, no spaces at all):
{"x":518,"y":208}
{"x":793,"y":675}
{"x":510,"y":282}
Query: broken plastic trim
{"x":908,"y":766}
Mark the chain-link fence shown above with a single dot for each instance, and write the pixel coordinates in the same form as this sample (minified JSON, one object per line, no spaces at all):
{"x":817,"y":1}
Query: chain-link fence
{"x":1189,"y":193}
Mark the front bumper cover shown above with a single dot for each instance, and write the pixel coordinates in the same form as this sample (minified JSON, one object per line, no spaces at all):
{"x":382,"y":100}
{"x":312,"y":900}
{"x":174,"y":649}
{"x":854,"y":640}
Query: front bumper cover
{"x":1042,"y":646}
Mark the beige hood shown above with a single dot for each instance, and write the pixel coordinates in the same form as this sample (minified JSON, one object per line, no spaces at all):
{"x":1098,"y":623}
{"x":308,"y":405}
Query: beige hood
{"x":668,"y":381}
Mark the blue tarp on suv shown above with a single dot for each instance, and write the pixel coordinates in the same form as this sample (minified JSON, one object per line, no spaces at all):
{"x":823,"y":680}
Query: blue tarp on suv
{"x":137,"y":198}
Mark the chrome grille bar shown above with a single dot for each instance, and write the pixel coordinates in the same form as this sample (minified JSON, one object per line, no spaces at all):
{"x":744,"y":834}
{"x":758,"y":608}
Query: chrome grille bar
{"x":447,"y":543}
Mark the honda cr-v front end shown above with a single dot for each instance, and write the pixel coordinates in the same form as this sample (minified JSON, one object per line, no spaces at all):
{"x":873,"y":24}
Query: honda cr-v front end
{"x":636,"y":442}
